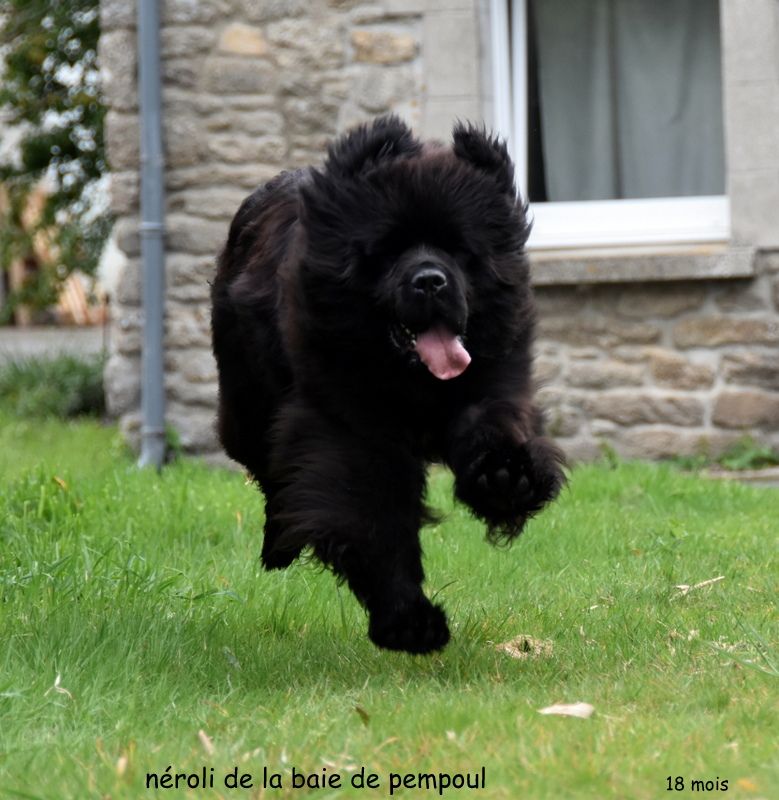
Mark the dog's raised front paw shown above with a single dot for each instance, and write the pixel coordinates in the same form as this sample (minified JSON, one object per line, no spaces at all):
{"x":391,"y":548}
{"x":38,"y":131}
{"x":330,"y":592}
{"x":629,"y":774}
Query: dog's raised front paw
{"x":509,"y":484}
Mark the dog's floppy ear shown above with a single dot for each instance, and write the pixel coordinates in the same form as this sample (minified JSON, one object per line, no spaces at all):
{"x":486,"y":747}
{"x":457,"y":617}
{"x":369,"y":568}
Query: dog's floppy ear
{"x":486,"y":152}
{"x":384,"y":138}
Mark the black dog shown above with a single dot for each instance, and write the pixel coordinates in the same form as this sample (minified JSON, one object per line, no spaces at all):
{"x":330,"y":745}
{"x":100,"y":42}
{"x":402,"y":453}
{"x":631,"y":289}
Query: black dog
{"x":370,"y":317}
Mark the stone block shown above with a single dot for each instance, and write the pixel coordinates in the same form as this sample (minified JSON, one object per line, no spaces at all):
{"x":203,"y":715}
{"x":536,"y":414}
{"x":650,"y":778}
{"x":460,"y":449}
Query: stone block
{"x":186,"y":41}
{"x":562,"y":300}
{"x":123,"y":188}
{"x":218,"y":203}
{"x":377,"y":89}
{"x":752,"y":368}
{"x":183,"y":140}
{"x":748,"y":295}
{"x":259,"y":123}
{"x":604,"y":375}
{"x":713,"y":331}
{"x":241,"y":149}
{"x":233,"y":75}
{"x":118,"y":63}
{"x":632,"y":354}
{"x":383,"y":46}
{"x":243,"y":40}
{"x":268,"y":10}
{"x":196,"y":365}
{"x":128,"y":239}
{"x":601,"y":332}
{"x":658,"y":442}
{"x":313,"y":42}
{"x":206,"y":176}
{"x":182,"y":269}
{"x":128,"y":285}
{"x":644,"y":408}
{"x":310,"y":115}
{"x":350,"y":115}
{"x":767,"y":262}
{"x":126,"y":331}
{"x":315,"y":145}
{"x":747,"y":409}
{"x":193,"y":12}
{"x":585,"y":353}
{"x":675,"y":371}
{"x":189,"y":293}
{"x":115,"y":14}
{"x":386,"y":11}
{"x":563,"y":420}
{"x":181,"y":73}
{"x":187,"y":325}
{"x":122,"y":378}
{"x":122,"y":136}
{"x":200,"y":394}
{"x":219,"y":460}
{"x":194,"y":425}
{"x":185,"y":234}
{"x":580,"y":449}
{"x":694,"y":264}
{"x":661,"y":300}
{"x":545,"y":370}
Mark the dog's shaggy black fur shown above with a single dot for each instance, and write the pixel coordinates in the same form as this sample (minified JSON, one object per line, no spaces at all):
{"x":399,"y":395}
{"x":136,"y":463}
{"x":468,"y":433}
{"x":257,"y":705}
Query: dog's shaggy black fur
{"x":347,"y":305}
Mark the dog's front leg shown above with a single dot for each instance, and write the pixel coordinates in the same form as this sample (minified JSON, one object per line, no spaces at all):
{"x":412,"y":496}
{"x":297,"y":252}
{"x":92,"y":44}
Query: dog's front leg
{"x":505,"y":469}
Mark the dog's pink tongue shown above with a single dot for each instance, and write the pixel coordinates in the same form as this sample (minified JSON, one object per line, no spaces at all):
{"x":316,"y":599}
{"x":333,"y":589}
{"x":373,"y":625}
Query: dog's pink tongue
{"x":442,"y":353}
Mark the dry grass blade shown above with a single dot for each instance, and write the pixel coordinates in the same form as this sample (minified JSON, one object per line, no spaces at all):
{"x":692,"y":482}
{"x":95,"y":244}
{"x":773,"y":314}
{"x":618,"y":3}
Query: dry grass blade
{"x":205,"y":740}
{"x":685,"y":588}
{"x":58,"y":688}
{"x":581,"y":710}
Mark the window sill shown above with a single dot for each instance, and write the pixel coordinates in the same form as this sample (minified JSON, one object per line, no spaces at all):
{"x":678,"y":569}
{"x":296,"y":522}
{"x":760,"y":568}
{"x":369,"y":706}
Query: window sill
{"x":640,"y":264}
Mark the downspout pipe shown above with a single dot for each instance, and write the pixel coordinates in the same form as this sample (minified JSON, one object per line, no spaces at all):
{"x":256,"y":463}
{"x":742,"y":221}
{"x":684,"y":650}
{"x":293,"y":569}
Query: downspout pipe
{"x":152,"y":232}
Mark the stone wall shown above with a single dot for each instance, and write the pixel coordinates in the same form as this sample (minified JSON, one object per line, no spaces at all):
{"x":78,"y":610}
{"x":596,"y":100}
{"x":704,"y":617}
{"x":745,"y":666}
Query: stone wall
{"x":254,"y":86}
{"x":661,"y":369}
{"x":250,"y":88}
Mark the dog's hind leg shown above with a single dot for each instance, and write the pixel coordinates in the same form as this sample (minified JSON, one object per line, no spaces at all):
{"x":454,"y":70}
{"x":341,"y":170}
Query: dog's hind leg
{"x":359,"y":504}
{"x":274,"y":554}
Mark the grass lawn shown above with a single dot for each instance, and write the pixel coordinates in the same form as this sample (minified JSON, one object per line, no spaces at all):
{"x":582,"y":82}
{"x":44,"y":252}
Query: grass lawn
{"x":138,"y":633}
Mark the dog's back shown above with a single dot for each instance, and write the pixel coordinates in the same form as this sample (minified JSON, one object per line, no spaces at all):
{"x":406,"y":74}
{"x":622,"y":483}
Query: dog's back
{"x":254,"y":373}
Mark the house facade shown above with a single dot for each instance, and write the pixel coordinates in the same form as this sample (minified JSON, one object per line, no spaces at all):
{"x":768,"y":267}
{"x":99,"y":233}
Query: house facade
{"x":646,"y":137}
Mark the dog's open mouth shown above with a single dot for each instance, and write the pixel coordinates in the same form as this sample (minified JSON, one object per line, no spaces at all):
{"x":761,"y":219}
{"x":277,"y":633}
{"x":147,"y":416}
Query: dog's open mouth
{"x":440,"y":350}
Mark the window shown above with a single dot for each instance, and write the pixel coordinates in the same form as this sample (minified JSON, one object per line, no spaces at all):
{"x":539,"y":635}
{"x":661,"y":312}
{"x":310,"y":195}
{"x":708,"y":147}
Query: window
{"x":613,"y":112}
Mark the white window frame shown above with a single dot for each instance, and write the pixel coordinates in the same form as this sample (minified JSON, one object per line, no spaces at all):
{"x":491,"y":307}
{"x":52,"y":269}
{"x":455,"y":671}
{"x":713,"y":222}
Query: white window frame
{"x":593,"y":223}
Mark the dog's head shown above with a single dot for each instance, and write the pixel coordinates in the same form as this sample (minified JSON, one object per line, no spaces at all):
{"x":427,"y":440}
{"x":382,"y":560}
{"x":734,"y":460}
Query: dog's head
{"x":418,"y":246}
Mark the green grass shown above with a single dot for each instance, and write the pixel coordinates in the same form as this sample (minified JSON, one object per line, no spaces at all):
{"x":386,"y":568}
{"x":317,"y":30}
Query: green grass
{"x":143,"y":593}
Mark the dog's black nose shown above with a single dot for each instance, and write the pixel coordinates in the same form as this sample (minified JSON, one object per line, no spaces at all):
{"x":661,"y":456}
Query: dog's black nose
{"x":428,"y":280}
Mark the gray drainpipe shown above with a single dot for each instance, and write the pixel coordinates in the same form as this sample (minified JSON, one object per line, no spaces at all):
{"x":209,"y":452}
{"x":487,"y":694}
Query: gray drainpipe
{"x":152,"y":232}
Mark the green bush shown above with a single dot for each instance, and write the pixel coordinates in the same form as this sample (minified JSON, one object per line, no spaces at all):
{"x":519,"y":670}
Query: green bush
{"x":50,"y":94}
{"x":745,"y":454}
{"x":61,"y":386}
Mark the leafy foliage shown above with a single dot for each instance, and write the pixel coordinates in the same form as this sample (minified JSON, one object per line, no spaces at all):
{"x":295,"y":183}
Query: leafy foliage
{"x":63,"y":386}
{"x":50,"y":92}
{"x":745,"y":454}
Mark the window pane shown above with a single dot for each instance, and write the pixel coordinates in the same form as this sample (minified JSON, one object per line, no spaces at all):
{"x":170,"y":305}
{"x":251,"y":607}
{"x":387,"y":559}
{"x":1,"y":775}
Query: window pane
{"x":625,"y":99}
